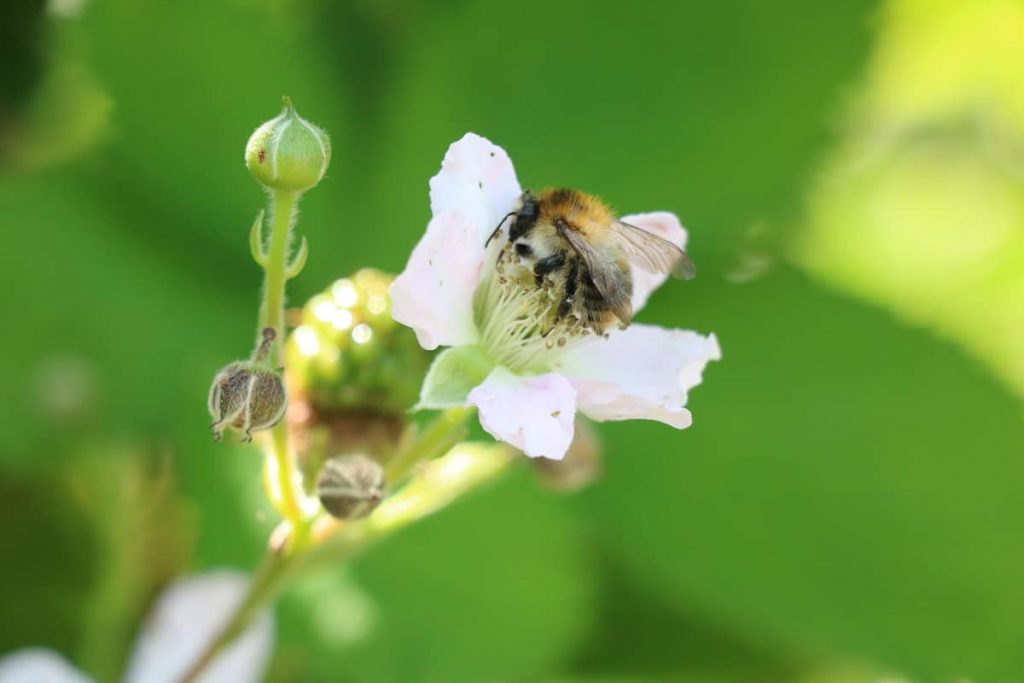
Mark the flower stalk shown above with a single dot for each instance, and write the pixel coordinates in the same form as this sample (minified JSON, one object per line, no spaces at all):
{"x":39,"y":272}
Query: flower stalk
{"x":283,"y":486}
{"x":448,"y":429}
{"x":283,"y":214}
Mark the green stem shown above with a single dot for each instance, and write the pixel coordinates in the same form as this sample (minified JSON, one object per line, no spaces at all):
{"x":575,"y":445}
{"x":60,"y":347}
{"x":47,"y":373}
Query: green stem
{"x":283,"y":211}
{"x":280,"y":474}
{"x":448,"y":429}
{"x":264,"y":586}
{"x":281,"y":480}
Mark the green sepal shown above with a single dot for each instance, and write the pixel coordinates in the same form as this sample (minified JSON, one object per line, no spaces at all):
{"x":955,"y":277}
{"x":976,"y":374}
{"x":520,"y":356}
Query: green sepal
{"x":298,"y":262}
{"x":452,"y":375}
{"x":256,"y":242}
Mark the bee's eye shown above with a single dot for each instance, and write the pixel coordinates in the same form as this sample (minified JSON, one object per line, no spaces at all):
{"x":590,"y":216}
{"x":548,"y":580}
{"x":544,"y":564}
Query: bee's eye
{"x":524,"y":250}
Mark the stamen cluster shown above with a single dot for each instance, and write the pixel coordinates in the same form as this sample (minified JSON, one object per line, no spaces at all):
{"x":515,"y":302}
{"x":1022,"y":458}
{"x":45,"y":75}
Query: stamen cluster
{"x":517,"y":317}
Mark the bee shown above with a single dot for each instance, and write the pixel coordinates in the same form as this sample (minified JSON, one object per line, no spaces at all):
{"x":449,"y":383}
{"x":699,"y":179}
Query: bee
{"x":574,"y":243}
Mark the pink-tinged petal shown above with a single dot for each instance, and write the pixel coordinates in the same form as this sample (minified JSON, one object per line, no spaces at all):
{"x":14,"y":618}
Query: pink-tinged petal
{"x":434,"y":294}
{"x":476,"y":179}
{"x":38,"y":665}
{"x":186,"y":617}
{"x":665,"y":225}
{"x":642,"y":372}
{"x":534,"y":414}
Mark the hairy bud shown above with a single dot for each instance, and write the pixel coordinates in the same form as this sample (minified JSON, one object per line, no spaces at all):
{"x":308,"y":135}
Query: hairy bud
{"x":288,"y":152}
{"x":248,"y":395}
{"x":350,"y":486}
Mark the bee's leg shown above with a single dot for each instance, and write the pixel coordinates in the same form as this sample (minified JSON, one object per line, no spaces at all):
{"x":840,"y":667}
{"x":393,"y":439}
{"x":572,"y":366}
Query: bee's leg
{"x":547,"y":265}
{"x":572,"y":282}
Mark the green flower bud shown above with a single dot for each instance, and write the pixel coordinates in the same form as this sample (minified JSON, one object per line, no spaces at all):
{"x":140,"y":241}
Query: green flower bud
{"x":350,"y":486}
{"x":288,"y":152}
{"x":247,"y":395}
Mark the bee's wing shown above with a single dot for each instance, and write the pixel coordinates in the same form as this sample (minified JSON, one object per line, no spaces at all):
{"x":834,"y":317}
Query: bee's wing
{"x":606,"y":275}
{"x":653,"y":253}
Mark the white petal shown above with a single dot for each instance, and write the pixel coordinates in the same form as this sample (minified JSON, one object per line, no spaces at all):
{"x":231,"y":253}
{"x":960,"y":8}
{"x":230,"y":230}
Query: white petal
{"x":434,"y":294}
{"x":478,"y":180}
{"x":38,"y":665}
{"x":534,"y":414}
{"x":665,"y":225}
{"x":475,"y":188}
{"x":186,"y":617}
{"x":642,"y":372}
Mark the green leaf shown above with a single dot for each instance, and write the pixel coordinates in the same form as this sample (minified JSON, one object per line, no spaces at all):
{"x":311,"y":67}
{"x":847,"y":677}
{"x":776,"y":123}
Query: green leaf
{"x":639,"y":634}
{"x":118,"y":311}
{"x":849,"y":486}
{"x":453,"y":374}
{"x":49,"y":564}
{"x":711,"y":110}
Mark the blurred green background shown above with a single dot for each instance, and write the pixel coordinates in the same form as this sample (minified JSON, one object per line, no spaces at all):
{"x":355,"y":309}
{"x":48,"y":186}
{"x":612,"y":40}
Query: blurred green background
{"x":847,"y":506}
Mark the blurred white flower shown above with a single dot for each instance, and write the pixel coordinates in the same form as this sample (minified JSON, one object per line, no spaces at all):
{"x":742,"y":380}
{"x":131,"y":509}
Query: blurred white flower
{"x":186,"y":617}
{"x":527,"y":390}
{"x":38,"y":665}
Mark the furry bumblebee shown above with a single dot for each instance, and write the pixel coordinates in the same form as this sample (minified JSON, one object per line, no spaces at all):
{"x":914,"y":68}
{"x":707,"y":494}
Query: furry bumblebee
{"x":573,"y":243}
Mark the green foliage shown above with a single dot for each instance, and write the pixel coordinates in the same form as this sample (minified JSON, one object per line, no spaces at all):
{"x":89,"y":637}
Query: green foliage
{"x":848,"y":492}
{"x":870,"y":510}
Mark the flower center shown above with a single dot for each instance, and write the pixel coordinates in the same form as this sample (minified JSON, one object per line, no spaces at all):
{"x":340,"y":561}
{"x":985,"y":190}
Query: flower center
{"x":518,"y":319}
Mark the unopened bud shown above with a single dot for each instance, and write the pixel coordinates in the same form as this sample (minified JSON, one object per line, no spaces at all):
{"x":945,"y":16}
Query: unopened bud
{"x":247,"y":395}
{"x":350,"y":486}
{"x":288,"y":152}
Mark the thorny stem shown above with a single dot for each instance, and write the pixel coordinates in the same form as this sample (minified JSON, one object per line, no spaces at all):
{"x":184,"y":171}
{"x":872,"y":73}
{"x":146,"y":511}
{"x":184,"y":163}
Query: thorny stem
{"x":447,"y":430}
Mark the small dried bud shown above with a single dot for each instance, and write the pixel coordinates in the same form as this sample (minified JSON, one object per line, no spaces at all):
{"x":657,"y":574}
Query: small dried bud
{"x":288,"y":152}
{"x":350,"y":486}
{"x":247,"y":395}
{"x":581,"y":465}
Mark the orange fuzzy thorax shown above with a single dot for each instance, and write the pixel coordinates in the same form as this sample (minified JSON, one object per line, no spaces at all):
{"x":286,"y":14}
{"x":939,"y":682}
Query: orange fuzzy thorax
{"x":583,"y":212}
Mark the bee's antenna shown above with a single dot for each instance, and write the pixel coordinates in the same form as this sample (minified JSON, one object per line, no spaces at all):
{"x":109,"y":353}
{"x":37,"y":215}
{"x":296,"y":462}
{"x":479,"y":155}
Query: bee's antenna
{"x":498,"y":229}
